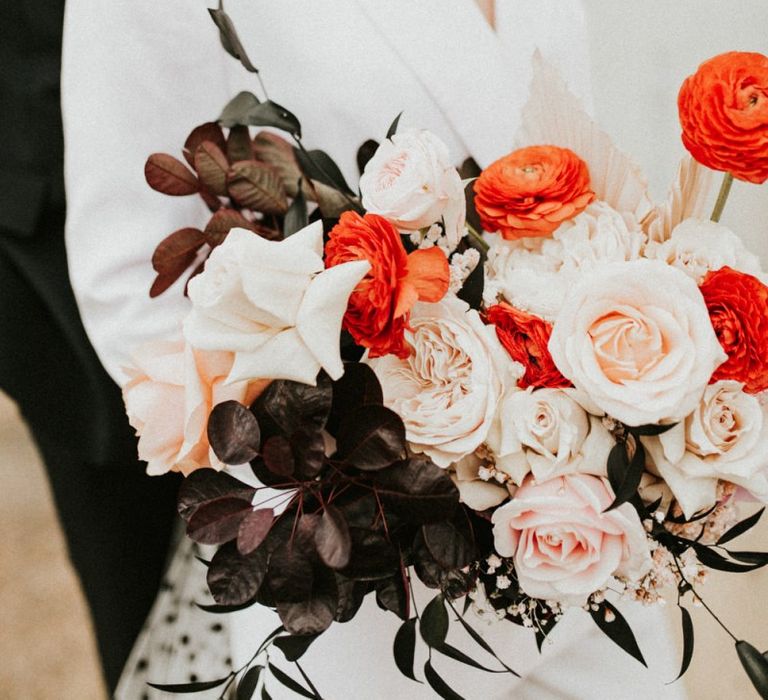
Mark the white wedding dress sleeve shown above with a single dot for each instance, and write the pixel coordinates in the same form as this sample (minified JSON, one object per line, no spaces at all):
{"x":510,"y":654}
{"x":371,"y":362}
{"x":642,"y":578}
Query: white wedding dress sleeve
{"x":138,"y":75}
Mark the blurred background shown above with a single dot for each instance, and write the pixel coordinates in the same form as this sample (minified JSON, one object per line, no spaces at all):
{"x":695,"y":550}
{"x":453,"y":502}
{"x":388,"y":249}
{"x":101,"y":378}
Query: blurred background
{"x":640,"y":54}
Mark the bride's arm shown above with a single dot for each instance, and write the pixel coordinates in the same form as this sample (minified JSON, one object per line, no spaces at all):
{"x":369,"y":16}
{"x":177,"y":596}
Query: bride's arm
{"x":137,"y":76}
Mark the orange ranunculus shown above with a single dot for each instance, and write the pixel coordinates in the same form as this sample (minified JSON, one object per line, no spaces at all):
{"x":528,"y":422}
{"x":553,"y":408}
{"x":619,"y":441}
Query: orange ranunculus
{"x":526,"y":337}
{"x":532,"y":191}
{"x":738,"y":308}
{"x":724,"y":114}
{"x":380,"y":306}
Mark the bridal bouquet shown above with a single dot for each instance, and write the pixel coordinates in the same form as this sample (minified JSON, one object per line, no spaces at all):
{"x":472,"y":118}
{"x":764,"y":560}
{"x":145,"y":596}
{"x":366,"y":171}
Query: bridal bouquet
{"x":527,"y":386}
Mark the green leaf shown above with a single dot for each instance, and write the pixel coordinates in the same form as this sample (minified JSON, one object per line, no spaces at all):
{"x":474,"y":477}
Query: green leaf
{"x":756,"y":666}
{"x":617,"y":629}
{"x":687,"y":642}
{"x":246,"y":688}
{"x":741,"y":527}
{"x":229,"y":39}
{"x":289,"y":683}
{"x":458,"y":655}
{"x":265,"y":695}
{"x":196,"y":687}
{"x":404,"y":648}
{"x":625,"y":474}
{"x":715,"y":560}
{"x":434,"y":622}
{"x":294,"y":646}
{"x":649,"y":430}
{"x":318,"y":165}
{"x":439,"y":685}
{"x":393,"y":126}
{"x":480,"y":641}
{"x":224,"y":609}
{"x":245,"y":109}
{"x":296,"y":218}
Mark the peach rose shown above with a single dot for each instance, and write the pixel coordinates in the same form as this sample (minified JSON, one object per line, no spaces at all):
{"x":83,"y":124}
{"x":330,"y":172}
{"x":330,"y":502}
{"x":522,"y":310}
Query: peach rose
{"x":724,"y":114}
{"x":531,"y":191}
{"x":565,"y":547}
{"x":170,"y":392}
{"x":636,"y":339}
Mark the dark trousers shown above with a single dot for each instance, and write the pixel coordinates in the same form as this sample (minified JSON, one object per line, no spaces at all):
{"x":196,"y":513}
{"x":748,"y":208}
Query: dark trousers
{"x":117,"y":521}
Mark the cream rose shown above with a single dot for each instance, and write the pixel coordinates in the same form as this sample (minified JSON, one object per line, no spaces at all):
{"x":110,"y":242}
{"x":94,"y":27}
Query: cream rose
{"x":724,"y":438}
{"x":697,"y":247}
{"x":565,"y":547}
{"x":170,"y":392}
{"x":478,"y":494}
{"x":636,"y":338}
{"x":447,"y":390}
{"x":547,"y":433}
{"x":273,"y":304}
{"x":410,"y":180}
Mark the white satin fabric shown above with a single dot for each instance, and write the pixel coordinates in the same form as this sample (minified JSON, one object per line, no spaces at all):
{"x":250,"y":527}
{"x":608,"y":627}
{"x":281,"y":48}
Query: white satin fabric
{"x":139,"y":74}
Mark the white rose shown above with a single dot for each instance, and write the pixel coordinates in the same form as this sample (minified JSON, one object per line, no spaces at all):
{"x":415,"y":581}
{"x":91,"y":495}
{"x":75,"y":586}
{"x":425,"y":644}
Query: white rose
{"x":410,"y":180}
{"x":525,"y":272}
{"x":636,"y":338}
{"x":697,"y":247}
{"x":273,"y":304}
{"x":447,"y":390}
{"x":724,"y":438}
{"x":548,"y":433}
{"x":596,"y":236}
{"x":537,"y":274}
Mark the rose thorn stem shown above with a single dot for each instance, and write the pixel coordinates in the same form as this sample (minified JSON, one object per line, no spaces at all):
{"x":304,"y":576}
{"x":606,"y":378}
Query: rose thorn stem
{"x":722,"y":197}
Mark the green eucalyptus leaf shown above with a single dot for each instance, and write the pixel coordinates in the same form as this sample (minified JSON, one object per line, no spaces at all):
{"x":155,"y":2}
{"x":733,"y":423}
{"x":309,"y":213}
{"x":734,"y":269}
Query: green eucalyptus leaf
{"x":289,"y":683}
{"x":183,"y":688}
{"x":229,"y":39}
{"x":756,"y":666}
{"x":617,"y":629}
{"x":404,"y":648}
{"x":297,"y":217}
{"x":246,"y":688}
{"x":393,"y":126}
{"x":434,"y":622}
{"x":439,"y":685}
{"x":741,"y":527}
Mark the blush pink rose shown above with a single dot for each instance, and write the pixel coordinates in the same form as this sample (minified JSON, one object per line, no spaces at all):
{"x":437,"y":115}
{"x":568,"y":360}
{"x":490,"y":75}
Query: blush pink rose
{"x":563,"y":545}
{"x":170,"y":392}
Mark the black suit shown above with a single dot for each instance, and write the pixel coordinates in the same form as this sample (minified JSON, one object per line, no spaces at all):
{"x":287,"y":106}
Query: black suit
{"x":117,"y":520}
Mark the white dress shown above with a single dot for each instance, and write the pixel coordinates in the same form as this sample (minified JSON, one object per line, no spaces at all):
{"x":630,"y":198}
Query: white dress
{"x":137,"y":76}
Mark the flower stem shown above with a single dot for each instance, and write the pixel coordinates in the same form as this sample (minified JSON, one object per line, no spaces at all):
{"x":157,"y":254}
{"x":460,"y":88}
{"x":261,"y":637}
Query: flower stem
{"x":477,"y":237}
{"x":722,"y":197}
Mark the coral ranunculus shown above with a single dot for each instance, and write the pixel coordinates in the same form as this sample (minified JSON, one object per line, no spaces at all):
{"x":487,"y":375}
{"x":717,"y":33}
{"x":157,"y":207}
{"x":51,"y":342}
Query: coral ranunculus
{"x":738,"y":307}
{"x":531,"y":191}
{"x":525,"y":337}
{"x":380,"y":305}
{"x":724,"y":114}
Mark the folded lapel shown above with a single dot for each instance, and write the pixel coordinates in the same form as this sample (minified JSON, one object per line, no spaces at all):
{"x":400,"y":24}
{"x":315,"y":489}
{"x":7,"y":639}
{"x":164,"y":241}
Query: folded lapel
{"x":479,"y":84}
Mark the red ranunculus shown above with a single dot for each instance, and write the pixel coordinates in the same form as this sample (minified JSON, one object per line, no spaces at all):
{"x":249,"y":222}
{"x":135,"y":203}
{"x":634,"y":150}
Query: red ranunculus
{"x":723,"y":111}
{"x":525,"y":337}
{"x":738,"y":307}
{"x":531,"y":191}
{"x":380,"y":306}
